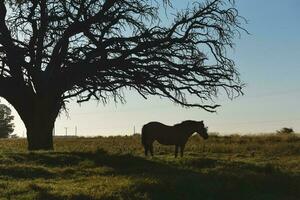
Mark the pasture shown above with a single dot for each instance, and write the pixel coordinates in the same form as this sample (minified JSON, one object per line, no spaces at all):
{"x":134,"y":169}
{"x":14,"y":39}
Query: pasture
{"x":231,"y":167}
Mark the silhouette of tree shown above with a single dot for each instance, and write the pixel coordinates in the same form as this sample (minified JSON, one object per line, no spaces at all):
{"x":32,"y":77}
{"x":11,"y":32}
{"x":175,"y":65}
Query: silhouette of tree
{"x":6,"y":124}
{"x":54,"y":50}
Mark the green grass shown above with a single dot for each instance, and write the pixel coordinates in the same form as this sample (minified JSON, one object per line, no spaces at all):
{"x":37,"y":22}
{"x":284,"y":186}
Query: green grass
{"x":232,"y":167}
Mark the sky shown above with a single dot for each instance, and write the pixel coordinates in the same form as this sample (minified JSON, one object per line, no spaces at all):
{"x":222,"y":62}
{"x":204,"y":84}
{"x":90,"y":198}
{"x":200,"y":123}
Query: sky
{"x":267,"y":59}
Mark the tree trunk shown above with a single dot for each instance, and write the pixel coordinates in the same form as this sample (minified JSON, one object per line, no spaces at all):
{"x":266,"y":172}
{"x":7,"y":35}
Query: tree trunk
{"x":40,"y":123}
{"x":39,"y":115}
{"x":38,"y":111}
{"x":39,"y":131}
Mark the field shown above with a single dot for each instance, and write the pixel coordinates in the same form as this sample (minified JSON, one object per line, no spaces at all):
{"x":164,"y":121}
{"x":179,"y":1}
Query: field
{"x":232,"y":167}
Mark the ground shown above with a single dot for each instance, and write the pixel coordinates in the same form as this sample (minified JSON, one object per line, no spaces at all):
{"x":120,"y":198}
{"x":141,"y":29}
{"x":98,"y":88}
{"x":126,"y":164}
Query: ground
{"x":232,"y":167}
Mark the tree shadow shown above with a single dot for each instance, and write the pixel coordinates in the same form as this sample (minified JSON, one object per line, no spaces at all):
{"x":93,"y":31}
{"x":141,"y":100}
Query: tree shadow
{"x":25,"y":172}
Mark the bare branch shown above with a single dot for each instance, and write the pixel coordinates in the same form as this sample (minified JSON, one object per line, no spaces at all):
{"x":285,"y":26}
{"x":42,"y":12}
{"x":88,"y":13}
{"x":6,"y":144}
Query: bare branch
{"x":96,"y":48}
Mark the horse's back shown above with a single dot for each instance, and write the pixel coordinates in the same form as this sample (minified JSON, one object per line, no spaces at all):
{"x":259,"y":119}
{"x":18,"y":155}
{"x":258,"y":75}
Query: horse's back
{"x":157,"y":131}
{"x":154,"y":127}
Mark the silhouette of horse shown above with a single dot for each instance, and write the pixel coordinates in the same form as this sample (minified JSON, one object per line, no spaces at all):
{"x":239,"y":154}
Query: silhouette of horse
{"x":171,"y":135}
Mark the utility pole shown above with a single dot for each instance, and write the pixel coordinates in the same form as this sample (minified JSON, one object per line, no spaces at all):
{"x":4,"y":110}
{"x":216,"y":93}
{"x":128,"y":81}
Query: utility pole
{"x":75,"y":130}
{"x":66,"y":129}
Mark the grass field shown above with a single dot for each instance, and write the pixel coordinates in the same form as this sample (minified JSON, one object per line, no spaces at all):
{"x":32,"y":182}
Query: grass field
{"x":232,"y":167}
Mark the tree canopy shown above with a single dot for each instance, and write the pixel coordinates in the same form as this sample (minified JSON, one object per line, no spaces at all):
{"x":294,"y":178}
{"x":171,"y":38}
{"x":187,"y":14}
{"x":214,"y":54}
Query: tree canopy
{"x":54,"y":50}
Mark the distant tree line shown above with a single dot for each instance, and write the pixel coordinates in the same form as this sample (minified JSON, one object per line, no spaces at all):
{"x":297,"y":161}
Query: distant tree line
{"x":6,"y":121}
{"x":285,"y":130}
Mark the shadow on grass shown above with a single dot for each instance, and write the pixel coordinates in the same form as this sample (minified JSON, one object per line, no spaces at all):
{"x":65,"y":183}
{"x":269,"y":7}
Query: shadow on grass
{"x":44,"y":194}
{"x":198,"y":178}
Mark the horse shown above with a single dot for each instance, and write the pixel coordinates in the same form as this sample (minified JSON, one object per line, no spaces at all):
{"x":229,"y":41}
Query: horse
{"x":176,"y":135}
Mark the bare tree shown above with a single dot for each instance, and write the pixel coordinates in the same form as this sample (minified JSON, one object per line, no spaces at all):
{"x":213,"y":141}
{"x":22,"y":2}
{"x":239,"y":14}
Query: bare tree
{"x":54,"y":50}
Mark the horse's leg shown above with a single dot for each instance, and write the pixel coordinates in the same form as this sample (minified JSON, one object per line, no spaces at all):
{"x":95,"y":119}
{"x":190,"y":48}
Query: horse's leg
{"x":151,"y":149}
{"x":181,"y":149}
{"x":176,"y":150}
{"x":146,"y":150}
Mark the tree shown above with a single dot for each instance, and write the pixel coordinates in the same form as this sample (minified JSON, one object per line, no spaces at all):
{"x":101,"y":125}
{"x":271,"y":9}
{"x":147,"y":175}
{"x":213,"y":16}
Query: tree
{"x":285,"y":130}
{"x":55,"y":50}
{"x":6,"y":124}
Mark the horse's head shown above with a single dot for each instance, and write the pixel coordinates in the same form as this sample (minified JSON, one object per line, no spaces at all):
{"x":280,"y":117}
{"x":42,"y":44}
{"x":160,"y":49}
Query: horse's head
{"x":202,"y":130}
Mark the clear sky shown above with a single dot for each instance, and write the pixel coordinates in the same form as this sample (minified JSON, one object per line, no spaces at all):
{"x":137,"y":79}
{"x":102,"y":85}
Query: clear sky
{"x":268,"y":60}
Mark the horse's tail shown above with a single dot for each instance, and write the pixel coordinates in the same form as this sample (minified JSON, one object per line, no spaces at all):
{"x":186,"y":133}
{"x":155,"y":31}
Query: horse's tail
{"x":144,"y":136}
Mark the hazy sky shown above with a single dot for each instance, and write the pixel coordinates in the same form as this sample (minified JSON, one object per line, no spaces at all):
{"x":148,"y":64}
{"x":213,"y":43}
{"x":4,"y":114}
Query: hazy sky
{"x":267,"y":60}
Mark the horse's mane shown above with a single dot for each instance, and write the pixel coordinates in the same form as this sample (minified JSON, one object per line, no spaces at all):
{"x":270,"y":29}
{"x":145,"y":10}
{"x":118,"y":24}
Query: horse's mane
{"x":185,"y":123}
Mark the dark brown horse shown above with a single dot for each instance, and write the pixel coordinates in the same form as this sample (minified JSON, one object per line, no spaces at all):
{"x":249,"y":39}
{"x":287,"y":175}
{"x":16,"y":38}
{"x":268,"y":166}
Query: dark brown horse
{"x":176,"y":135}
